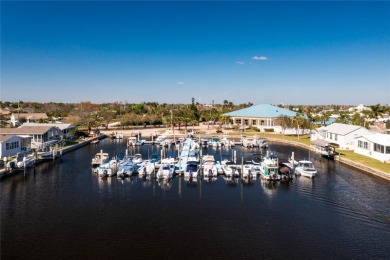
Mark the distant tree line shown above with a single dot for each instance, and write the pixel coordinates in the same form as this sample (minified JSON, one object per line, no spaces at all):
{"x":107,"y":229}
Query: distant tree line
{"x":89,"y":115}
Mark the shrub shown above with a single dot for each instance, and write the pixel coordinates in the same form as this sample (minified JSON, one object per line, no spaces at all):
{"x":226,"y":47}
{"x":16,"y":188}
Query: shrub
{"x":268,"y":130}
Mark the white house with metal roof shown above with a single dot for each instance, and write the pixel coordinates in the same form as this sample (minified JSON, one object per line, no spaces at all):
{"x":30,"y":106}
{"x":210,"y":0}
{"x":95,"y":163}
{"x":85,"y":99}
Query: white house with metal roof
{"x":341,"y":134}
{"x":376,"y":146}
{"x":10,"y":145}
{"x":29,"y":117}
{"x":261,"y":116}
{"x":65,"y":128}
{"x":41,"y":136}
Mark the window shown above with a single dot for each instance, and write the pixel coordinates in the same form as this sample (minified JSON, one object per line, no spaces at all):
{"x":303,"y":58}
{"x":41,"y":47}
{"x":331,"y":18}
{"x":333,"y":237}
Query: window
{"x":10,"y":146}
{"x":330,"y":136}
{"x":388,"y":150}
{"x":379,"y":148}
{"x":335,"y":137}
{"x":262,"y":122}
{"x":253,"y":122}
{"x":238,"y":121}
{"x":363,"y":145}
{"x":246,"y":121}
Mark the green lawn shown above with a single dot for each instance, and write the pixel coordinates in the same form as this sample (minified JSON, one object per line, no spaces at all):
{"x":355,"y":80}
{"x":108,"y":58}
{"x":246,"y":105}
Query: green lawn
{"x":351,"y":155}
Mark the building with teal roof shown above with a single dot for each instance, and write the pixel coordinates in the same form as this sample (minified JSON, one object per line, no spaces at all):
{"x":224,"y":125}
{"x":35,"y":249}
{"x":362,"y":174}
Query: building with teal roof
{"x":261,"y":116}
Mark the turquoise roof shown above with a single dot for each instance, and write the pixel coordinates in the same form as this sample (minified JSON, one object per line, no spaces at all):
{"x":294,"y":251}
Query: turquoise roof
{"x":262,"y":110}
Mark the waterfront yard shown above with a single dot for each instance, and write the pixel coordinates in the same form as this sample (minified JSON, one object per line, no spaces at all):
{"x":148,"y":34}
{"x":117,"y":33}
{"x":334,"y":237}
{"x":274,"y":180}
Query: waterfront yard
{"x":349,"y":154}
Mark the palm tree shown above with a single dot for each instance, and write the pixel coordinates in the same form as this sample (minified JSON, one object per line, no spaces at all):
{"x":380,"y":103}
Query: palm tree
{"x":376,"y":111}
{"x":344,"y":118}
{"x":325,"y":116}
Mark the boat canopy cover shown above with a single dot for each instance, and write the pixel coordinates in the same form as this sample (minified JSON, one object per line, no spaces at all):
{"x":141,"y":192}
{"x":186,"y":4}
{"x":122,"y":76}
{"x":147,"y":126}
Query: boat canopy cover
{"x":320,"y":142}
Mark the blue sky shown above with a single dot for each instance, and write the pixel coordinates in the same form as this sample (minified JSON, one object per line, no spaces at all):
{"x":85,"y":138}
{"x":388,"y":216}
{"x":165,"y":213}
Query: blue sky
{"x":168,"y":52}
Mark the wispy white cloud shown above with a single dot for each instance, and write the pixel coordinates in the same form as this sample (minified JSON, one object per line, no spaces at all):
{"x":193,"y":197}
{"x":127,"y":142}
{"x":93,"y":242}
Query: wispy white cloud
{"x":259,"y":58}
{"x":180,"y":83}
{"x":240,"y":62}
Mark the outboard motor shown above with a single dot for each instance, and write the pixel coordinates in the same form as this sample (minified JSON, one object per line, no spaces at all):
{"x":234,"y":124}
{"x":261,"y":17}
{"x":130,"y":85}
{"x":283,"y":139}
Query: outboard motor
{"x":11,"y":165}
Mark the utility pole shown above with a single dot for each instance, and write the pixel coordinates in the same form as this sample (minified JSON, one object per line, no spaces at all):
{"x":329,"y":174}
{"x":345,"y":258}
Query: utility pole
{"x":18,"y":111}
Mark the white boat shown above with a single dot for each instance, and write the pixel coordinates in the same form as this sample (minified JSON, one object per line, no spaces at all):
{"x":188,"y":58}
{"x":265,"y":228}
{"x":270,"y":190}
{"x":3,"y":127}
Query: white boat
{"x":305,"y":168}
{"x":248,"y":172}
{"x":194,"y":145}
{"x":205,"y":142}
{"x":269,"y":167}
{"x":146,"y":168}
{"x":170,"y":159}
{"x":100,"y":158}
{"x":215,"y":142}
{"x":230,"y":169}
{"x":165,"y":171}
{"x":140,"y":142}
{"x":137,"y":159}
{"x":126,"y":168}
{"x":159,"y":139}
{"x":262,"y":142}
{"x":209,"y":167}
{"x":167,"y":142}
{"x":107,"y":169}
{"x":192,"y":169}
{"x":193,"y":155}
{"x":22,"y":161}
{"x":226,"y":142}
{"x":325,"y":148}
{"x":249,"y":142}
{"x":27,"y":161}
{"x":257,"y":158}
{"x":49,"y":154}
{"x":131,"y":141}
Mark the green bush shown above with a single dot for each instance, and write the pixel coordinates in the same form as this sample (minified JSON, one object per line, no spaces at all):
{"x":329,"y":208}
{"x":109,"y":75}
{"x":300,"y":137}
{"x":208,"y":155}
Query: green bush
{"x":268,"y":130}
{"x":255,"y":129}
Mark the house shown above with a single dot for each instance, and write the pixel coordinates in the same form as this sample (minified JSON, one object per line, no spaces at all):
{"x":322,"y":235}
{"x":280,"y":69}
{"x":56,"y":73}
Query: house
{"x":359,"y":108}
{"x":66,"y":129}
{"x":342,"y":135}
{"x":376,"y":146}
{"x":261,"y":116}
{"x":10,"y":145}
{"x":18,"y":118}
{"x":41,"y":136}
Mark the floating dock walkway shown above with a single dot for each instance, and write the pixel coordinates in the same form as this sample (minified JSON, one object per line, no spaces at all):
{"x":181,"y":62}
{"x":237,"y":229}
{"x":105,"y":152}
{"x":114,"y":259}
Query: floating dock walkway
{"x":184,"y":155}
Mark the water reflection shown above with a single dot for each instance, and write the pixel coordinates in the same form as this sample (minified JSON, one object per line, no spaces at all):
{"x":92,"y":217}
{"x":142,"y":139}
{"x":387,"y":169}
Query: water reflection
{"x":231,"y":181}
{"x":210,"y":179}
{"x":248,"y":181}
{"x":190,"y":182}
{"x":347,"y":210}
{"x":165,"y":184}
{"x":269,"y":187}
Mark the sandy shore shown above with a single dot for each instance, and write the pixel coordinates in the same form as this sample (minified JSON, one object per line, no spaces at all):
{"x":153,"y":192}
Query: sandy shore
{"x":147,"y":132}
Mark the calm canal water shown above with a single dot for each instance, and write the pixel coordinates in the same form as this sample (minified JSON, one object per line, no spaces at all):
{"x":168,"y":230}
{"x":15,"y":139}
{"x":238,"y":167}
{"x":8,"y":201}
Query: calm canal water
{"x":64,"y":211}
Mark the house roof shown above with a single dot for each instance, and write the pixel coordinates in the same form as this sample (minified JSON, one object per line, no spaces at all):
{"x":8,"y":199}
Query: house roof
{"x":343,"y":129}
{"x":5,"y":137}
{"x":31,"y":115}
{"x":25,"y":130}
{"x":59,"y":125}
{"x":4,"y":111}
{"x":377,"y":138}
{"x":262,"y":110}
